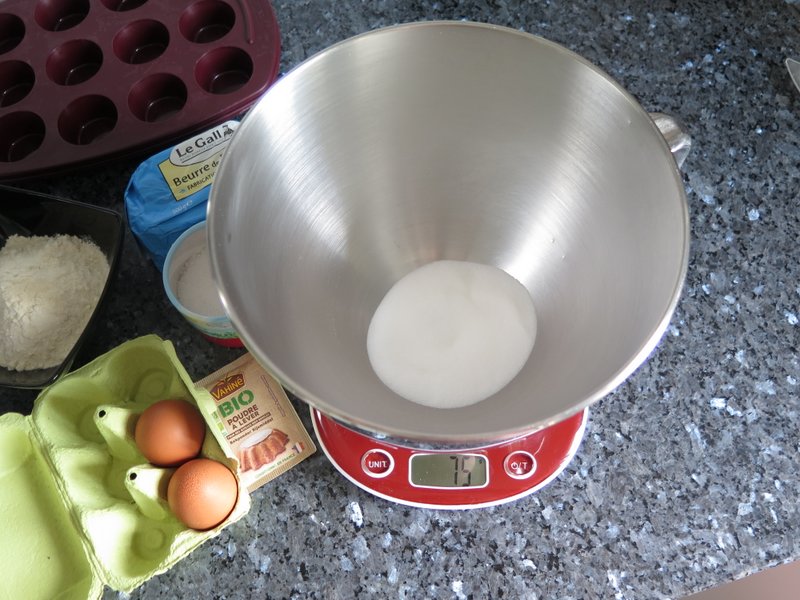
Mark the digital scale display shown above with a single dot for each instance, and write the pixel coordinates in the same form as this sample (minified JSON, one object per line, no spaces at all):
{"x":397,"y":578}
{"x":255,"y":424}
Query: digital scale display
{"x":449,"y":470}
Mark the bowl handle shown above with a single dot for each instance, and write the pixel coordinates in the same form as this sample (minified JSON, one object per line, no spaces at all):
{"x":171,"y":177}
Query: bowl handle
{"x":674,"y":132}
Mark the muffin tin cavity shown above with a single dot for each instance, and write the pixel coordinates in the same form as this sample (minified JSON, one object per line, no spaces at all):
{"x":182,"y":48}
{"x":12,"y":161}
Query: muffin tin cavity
{"x":122,"y":5}
{"x":12,"y":30}
{"x":79,"y":78}
{"x":16,"y":81}
{"x":206,"y":21}
{"x":87,"y":119}
{"x":74,"y":62}
{"x":84,"y":425}
{"x":223,"y":70}
{"x":60,"y":15}
{"x":157,"y":97}
{"x":21,"y":134}
{"x":141,"y":41}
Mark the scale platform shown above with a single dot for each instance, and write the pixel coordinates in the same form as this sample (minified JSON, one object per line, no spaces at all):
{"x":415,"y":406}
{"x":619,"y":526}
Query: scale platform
{"x":451,"y":479}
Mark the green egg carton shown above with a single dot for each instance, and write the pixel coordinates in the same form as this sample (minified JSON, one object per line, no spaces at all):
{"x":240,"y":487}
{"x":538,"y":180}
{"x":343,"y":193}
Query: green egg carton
{"x":80,"y":507}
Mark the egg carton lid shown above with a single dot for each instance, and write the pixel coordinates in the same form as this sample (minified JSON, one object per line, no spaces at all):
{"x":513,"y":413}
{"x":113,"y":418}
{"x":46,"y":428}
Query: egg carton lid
{"x":42,"y":548}
{"x":48,"y":549}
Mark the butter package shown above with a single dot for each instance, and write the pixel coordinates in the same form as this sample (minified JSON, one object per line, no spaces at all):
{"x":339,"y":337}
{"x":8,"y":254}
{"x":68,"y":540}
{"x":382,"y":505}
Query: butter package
{"x":80,"y":506}
{"x":254,"y":418}
{"x":168,"y":192}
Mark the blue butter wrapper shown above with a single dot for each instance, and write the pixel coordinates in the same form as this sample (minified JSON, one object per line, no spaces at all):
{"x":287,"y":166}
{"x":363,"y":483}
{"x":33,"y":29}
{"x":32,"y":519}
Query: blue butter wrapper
{"x":168,"y":192}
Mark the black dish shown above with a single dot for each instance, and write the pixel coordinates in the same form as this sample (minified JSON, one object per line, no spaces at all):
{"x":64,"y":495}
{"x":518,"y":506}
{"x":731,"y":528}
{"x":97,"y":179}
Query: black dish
{"x":24,"y":212}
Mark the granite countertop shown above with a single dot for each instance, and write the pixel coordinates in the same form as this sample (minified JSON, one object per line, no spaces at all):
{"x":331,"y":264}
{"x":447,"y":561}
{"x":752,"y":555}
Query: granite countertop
{"x":687,"y":476}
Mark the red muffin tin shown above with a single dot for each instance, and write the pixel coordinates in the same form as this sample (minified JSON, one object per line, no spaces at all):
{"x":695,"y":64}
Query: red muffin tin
{"x":82,"y":81}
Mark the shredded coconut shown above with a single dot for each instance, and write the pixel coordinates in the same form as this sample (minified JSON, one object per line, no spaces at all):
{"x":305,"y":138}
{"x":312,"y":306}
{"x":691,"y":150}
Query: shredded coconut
{"x":49,"y":287}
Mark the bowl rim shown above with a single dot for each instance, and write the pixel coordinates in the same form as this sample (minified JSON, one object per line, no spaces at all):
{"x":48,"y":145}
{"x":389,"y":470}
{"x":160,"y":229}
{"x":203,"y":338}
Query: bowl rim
{"x":298,"y":389}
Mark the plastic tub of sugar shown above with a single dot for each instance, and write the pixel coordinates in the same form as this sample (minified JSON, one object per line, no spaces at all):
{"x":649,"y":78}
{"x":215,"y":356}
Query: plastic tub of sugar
{"x":191,"y":289}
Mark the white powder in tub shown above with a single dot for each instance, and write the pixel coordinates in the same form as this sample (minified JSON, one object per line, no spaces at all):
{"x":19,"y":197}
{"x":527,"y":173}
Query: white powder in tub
{"x":195,"y":287}
{"x":49,"y":287}
{"x":452,"y":333}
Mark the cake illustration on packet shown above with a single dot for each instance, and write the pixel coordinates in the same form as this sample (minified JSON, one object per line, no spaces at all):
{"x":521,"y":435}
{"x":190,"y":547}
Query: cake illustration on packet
{"x":252,"y":415}
{"x":261,"y":448}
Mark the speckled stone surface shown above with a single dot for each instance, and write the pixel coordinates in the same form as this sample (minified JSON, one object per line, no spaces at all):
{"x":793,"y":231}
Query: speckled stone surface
{"x":688,"y":475}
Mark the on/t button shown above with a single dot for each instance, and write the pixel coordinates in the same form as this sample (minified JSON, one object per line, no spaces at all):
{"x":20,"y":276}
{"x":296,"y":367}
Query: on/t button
{"x":377,"y":463}
{"x":520,"y":464}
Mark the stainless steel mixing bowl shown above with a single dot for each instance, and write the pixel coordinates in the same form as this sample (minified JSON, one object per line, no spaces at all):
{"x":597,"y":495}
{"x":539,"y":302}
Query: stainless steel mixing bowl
{"x":448,"y":140}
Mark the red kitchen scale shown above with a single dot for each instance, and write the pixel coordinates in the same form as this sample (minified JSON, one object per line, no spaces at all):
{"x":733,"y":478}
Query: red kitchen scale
{"x":473,"y":477}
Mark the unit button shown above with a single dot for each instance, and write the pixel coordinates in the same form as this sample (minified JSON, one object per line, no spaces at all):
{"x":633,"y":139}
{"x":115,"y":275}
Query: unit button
{"x":520,"y":464}
{"x":377,"y":463}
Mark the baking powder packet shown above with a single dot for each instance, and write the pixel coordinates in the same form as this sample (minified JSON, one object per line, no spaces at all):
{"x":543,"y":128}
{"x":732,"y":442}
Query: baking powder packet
{"x":254,"y":417}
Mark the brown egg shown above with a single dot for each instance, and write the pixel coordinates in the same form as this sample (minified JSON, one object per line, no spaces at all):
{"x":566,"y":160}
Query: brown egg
{"x":202,"y":493}
{"x":170,"y":432}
